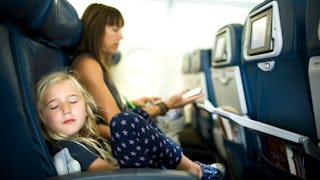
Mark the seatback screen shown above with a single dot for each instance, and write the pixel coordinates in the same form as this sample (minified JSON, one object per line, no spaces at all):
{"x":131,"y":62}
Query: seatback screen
{"x":260,"y":33}
{"x":219,"y":51}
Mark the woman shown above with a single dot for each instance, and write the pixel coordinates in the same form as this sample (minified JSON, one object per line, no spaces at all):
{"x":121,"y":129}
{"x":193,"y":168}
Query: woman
{"x":101,"y":37}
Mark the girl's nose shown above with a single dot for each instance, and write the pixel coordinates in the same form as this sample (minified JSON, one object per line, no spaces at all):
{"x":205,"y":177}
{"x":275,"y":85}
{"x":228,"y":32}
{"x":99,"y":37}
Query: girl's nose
{"x":66,"y":109}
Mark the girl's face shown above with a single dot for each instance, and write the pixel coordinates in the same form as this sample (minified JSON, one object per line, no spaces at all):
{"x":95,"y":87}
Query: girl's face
{"x":111,"y":39}
{"x":63,"y":109}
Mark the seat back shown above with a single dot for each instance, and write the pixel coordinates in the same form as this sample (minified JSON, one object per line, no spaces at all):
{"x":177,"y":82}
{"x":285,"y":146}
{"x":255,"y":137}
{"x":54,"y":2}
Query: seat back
{"x":34,"y":43}
{"x":196,"y":67}
{"x":237,"y":145}
{"x":313,"y":50}
{"x":276,"y":70}
{"x":188,"y":82}
{"x":196,"y":138}
{"x":226,"y":69}
{"x":203,"y":56}
{"x":275,"y":66}
{"x":227,"y":84}
{"x":201,"y":59}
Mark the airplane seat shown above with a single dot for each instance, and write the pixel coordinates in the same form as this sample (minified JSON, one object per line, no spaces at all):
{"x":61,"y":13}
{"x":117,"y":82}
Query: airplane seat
{"x":235,"y":143}
{"x":275,"y":70}
{"x":37,"y":37}
{"x":313,"y":50}
{"x":187,"y":80}
{"x":24,"y":153}
{"x":18,"y":144}
{"x":196,"y":136}
{"x":313,"y":54}
{"x":201,"y":118}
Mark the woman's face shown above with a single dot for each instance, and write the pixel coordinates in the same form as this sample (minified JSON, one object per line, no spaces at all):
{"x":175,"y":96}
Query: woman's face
{"x":63,"y":110}
{"x":111,"y":39}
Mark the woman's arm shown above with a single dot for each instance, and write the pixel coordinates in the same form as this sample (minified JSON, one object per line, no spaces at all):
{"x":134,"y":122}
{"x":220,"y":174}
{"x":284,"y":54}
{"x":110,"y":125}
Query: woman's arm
{"x":175,"y":101}
{"x":145,"y":101}
{"x":90,"y":74}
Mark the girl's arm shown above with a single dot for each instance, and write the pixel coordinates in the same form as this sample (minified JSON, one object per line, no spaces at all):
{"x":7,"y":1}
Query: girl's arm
{"x":104,"y":131}
{"x":100,"y":164}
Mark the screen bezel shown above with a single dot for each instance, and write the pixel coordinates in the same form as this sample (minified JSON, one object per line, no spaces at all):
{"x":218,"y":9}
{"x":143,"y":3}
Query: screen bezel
{"x":268,"y":45}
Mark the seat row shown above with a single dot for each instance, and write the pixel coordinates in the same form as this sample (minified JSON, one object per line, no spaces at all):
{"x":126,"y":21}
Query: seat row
{"x":265,"y":89}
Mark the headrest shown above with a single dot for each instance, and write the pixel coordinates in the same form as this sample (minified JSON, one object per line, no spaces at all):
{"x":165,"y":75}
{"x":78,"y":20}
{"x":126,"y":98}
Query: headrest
{"x":274,"y":29}
{"x":186,"y":63}
{"x":227,"y":46}
{"x":200,"y":60}
{"x":51,"y":21}
{"x":313,"y":27}
{"x":195,"y":61}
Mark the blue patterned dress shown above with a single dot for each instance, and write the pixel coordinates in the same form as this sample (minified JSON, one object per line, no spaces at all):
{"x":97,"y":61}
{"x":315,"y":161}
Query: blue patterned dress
{"x":138,"y":142}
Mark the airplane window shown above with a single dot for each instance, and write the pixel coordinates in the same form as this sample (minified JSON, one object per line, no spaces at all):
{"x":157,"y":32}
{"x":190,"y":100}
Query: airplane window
{"x":136,"y":75}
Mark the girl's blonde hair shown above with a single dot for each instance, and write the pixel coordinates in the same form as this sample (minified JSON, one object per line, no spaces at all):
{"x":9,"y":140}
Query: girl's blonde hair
{"x":88,"y":134}
{"x":94,"y":20}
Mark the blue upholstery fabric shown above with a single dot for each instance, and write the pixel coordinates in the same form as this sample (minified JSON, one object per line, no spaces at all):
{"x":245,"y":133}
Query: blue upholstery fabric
{"x":55,"y":22}
{"x":17,"y":144}
{"x":205,"y":68}
{"x":34,"y":36}
{"x":281,"y":97}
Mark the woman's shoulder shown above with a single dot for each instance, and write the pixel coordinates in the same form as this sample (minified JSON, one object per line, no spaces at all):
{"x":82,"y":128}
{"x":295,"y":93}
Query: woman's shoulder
{"x":85,"y":63}
{"x":83,"y":59}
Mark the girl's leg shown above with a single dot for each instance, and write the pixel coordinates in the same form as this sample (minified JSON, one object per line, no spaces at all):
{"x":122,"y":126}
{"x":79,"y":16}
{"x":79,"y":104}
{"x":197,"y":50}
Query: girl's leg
{"x":138,"y":142}
{"x":206,"y":172}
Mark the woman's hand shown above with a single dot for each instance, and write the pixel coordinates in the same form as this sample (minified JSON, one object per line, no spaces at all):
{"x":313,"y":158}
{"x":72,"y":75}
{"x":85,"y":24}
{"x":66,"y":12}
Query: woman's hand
{"x":144,"y":101}
{"x":177,"y":101}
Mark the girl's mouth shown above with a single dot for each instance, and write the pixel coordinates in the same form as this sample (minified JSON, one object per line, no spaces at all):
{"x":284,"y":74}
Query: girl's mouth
{"x":68,"y":121}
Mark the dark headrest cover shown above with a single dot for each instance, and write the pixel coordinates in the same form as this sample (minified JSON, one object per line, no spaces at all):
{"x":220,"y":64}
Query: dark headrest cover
{"x":54,"y":21}
{"x":62,"y":26}
{"x":313,"y":27}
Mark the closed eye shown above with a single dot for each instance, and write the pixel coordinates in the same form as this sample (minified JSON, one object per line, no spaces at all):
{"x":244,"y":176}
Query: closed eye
{"x":73,"y":99}
{"x":53,"y":106}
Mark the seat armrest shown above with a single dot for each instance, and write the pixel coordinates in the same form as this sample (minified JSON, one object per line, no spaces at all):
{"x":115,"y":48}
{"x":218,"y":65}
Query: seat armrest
{"x":129,"y":174}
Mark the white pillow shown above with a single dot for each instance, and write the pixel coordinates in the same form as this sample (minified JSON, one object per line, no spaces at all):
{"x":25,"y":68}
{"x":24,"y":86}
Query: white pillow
{"x":64,"y":163}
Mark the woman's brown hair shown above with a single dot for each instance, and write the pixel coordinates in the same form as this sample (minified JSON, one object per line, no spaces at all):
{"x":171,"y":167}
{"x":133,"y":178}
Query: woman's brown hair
{"x":94,"y":19}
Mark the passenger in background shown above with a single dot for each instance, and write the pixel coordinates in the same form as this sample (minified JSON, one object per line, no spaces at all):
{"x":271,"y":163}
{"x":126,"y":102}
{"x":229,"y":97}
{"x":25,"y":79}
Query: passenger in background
{"x":68,"y":119}
{"x":101,"y":37}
